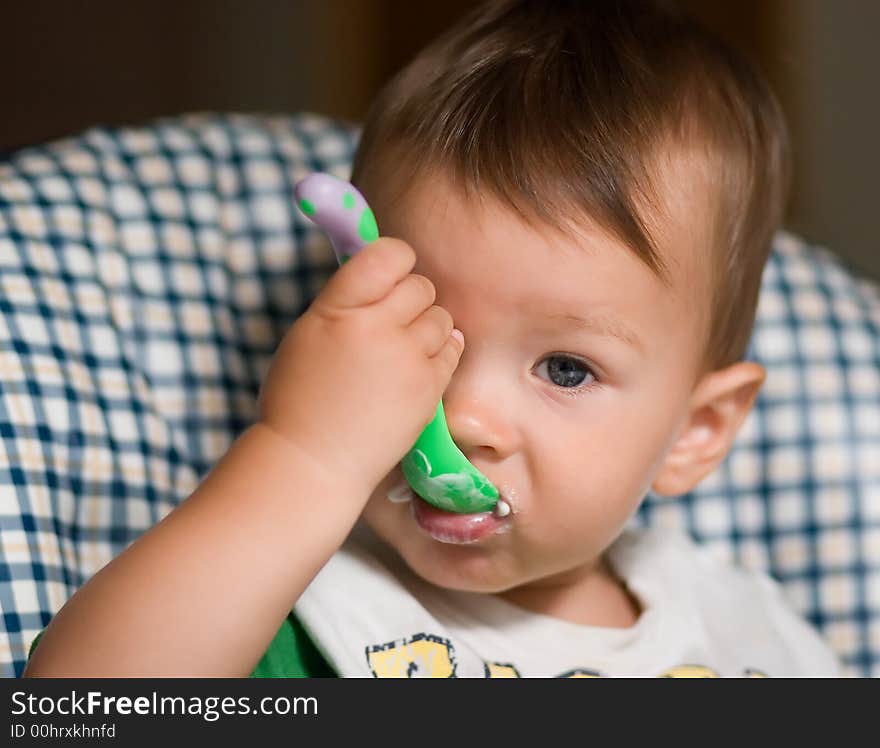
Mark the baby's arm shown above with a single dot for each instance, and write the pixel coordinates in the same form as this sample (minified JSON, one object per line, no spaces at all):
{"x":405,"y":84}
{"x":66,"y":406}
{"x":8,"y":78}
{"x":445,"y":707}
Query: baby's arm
{"x":202,"y":593}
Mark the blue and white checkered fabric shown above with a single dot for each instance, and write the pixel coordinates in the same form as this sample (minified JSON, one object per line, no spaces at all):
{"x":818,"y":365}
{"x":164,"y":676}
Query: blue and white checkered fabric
{"x":147,"y":273}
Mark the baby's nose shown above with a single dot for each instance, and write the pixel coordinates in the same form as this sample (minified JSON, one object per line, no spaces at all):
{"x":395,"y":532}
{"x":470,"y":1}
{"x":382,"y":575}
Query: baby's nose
{"x":479,"y":418}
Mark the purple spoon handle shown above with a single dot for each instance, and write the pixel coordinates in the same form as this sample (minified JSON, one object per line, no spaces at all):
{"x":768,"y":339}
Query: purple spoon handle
{"x":340,"y":209}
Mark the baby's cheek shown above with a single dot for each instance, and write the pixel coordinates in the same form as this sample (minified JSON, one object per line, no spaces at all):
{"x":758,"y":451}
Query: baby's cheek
{"x":632,"y":453}
{"x":379,"y":511}
{"x":595,"y":517}
{"x":591,"y":504}
{"x":611,"y":467}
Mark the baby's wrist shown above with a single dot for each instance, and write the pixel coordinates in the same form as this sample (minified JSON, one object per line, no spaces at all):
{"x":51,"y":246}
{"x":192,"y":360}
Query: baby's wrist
{"x":306,"y":465}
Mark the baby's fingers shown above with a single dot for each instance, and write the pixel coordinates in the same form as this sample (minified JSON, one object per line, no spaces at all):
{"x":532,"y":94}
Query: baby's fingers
{"x":369,"y":276}
{"x":432,"y":329}
{"x":410,"y":299}
{"x":448,"y":358}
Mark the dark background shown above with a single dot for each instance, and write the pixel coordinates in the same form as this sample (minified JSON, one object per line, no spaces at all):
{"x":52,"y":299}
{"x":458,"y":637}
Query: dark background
{"x":70,"y":64}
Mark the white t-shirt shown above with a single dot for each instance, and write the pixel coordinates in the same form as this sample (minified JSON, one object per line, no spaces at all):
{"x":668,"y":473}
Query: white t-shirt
{"x":372,"y":617}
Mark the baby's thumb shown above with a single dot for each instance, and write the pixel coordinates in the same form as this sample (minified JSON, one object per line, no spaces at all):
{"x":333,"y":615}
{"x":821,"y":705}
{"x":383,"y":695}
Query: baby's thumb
{"x":370,"y":275}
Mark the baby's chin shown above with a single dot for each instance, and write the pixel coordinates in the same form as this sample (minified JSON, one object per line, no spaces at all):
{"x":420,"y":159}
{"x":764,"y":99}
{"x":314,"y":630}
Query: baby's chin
{"x":477,"y":575}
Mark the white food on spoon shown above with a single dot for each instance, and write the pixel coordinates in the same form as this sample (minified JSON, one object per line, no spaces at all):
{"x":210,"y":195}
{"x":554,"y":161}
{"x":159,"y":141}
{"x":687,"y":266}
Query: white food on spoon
{"x":400,"y":494}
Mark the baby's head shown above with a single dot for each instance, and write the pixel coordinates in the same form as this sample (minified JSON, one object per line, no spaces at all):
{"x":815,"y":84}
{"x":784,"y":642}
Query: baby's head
{"x":592,"y":187}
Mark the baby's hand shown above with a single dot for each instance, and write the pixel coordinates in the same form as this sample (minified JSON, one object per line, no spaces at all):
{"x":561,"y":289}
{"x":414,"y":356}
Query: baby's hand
{"x":359,"y":375}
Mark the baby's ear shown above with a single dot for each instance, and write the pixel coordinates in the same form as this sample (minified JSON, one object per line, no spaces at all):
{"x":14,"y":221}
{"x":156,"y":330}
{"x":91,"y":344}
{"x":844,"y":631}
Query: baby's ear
{"x":719,"y":404}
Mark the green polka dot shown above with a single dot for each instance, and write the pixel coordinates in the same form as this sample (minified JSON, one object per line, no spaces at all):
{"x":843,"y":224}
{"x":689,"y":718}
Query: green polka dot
{"x":348,"y":201}
{"x":307,"y":207}
{"x":367,"y":228}
{"x":345,"y":258}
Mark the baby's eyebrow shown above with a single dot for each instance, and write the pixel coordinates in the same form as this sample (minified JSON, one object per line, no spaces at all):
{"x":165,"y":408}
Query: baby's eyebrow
{"x":601,"y":324}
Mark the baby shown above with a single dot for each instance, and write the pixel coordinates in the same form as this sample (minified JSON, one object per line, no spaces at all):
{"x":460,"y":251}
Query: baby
{"x":582,"y":197}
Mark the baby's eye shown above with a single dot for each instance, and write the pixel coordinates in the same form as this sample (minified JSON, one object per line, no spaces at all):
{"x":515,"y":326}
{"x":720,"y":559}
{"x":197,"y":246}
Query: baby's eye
{"x":565,"y":371}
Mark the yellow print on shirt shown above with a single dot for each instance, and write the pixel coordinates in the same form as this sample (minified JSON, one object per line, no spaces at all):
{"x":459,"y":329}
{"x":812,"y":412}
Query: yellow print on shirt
{"x":420,"y":656}
{"x":500,"y":670}
{"x":431,"y":656}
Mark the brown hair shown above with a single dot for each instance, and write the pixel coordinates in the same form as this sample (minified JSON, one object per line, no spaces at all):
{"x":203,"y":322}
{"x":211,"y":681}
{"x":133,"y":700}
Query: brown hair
{"x":562,"y":108}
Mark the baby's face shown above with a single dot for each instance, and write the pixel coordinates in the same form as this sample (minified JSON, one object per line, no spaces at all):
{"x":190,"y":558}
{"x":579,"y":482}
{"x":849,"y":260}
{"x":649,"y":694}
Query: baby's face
{"x":573,"y":385}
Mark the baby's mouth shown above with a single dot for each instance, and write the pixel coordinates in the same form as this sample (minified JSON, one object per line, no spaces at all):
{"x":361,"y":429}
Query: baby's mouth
{"x":452,"y":527}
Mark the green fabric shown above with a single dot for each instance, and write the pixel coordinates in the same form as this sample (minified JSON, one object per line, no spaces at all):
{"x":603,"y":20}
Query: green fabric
{"x":290,"y":655}
{"x":34,"y":645}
